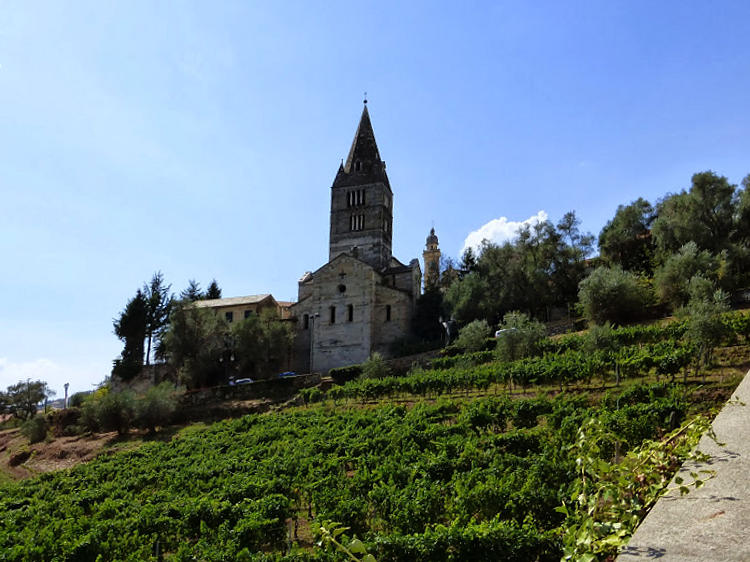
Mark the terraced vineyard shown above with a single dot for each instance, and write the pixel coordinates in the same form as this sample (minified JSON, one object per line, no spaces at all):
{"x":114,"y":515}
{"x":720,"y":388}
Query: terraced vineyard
{"x":441,"y":476}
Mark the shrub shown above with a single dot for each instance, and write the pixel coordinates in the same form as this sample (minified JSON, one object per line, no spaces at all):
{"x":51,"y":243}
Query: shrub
{"x":375,"y":367}
{"x":673,"y":279}
{"x":521,"y":338}
{"x":156,"y":407}
{"x":64,"y":421}
{"x":35,"y":429}
{"x":473,"y":336}
{"x":116,"y":411}
{"x":611,"y":294}
{"x":341,"y":375}
{"x":77,"y":399}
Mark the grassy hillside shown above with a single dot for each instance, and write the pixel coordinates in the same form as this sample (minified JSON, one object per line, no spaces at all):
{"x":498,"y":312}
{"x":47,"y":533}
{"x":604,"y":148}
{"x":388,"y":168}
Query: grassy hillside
{"x":470,"y":469}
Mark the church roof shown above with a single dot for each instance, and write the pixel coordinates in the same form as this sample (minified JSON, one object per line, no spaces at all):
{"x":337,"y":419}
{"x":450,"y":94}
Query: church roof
{"x":363,"y":164}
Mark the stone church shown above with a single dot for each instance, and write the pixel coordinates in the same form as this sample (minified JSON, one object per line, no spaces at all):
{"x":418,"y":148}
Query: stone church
{"x":363,"y":299}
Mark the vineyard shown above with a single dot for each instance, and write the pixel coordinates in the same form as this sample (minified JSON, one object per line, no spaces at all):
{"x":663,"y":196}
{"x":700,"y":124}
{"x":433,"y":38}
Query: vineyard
{"x":460,"y":461}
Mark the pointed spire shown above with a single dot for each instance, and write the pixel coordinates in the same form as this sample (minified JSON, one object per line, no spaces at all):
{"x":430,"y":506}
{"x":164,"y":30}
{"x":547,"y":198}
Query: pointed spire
{"x":364,"y":148}
{"x":363,"y":164}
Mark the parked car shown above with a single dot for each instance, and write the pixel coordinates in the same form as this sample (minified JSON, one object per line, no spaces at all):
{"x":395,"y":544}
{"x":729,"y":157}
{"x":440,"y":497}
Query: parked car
{"x":287,"y":374}
{"x":243,"y":381}
{"x":505,"y":331}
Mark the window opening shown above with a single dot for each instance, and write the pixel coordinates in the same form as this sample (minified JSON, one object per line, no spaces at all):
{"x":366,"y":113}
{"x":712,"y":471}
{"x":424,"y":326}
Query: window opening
{"x":350,"y":312}
{"x":333,"y":315}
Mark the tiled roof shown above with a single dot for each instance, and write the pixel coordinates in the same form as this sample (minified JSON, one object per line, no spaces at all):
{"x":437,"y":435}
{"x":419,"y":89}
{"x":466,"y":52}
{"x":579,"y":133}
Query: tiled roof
{"x":233,"y":301}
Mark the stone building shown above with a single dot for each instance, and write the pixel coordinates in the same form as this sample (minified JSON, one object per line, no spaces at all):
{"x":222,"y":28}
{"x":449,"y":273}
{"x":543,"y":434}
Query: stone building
{"x":363,"y":299}
{"x":237,"y":308}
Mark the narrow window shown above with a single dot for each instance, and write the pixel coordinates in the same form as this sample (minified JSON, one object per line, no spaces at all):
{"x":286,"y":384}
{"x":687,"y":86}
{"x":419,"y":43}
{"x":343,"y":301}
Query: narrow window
{"x":350,"y":312}
{"x":388,"y":313}
{"x":333,"y":315}
{"x":248,"y":313}
{"x":229,"y":316}
{"x":363,"y":196}
{"x":357,"y":166}
{"x":306,"y":322}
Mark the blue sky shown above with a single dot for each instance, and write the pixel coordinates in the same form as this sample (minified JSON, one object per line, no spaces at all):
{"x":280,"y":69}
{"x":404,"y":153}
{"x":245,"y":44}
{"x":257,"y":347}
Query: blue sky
{"x":201,"y":139}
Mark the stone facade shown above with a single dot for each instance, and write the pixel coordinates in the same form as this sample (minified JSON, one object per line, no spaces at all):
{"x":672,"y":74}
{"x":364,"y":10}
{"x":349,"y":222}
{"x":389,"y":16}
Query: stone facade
{"x":363,"y":299}
{"x":431,"y":257}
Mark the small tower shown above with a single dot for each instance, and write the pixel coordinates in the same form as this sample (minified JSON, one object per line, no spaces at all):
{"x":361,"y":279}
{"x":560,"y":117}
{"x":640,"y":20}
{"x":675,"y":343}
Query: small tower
{"x":431,"y":256}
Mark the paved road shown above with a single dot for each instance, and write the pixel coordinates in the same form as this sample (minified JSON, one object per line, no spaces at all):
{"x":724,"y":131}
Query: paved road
{"x":713,"y":522}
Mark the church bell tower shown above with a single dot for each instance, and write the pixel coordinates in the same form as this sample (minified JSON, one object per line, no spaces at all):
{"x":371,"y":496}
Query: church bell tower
{"x":362,"y":202}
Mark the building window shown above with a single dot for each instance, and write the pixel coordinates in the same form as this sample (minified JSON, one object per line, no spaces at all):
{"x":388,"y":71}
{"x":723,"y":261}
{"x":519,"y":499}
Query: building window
{"x":356,"y":222}
{"x":248,"y":313}
{"x":229,"y":316}
{"x":358,"y":166}
{"x":388,"y":313}
{"x":333,"y":315}
{"x":355,"y":198}
{"x":350,"y":312}
{"x":306,"y":322}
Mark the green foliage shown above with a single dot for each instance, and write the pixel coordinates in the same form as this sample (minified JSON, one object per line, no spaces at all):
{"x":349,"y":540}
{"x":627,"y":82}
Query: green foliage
{"x":626,"y":239}
{"x":213,"y":291}
{"x":672,"y":279}
{"x":130,"y":327}
{"x":706,"y":327}
{"x":608,"y":499}
{"x":195,"y":344}
{"x":156,"y":407}
{"x":375,"y":367}
{"x":261,"y":345}
{"x":115,"y":411}
{"x":158,"y":307}
{"x":35,"y":429}
{"x":77,"y":399}
{"x":540,"y":269}
{"x":704,"y":215}
{"x":473,"y":336}
{"x":24,"y":398}
{"x":206,"y":350}
{"x":611,"y":294}
{"x":192,"y":292}
{"x":521,"y":337}
{"x":450,"y":480}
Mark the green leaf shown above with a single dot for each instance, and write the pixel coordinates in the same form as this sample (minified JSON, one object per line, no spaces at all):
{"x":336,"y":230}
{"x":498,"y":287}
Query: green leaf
{"x":357,"y":547}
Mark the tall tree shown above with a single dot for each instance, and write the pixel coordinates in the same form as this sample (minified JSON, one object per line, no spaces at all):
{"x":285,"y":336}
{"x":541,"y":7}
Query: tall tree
{"x":704,"y":215}
{"x":626,"y":239}
{"x":213,"y":291}
{"x":159,"y":303}
{"x":192,"y":292}
{"x":130,"y":327}
{"x":24,"y":397}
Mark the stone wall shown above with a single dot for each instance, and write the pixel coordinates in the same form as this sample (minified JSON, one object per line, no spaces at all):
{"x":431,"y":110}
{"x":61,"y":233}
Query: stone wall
{"x":276,"y":389}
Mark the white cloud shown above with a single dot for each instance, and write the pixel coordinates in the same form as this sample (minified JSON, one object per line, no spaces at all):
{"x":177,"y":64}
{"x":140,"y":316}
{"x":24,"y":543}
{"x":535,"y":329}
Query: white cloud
{"x":54,"y":374}
{"x":499,"y":231}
